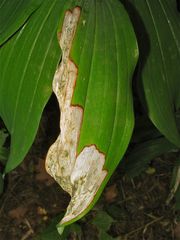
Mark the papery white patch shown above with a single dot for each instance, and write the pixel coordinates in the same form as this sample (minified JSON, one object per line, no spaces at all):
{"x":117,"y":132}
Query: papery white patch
{"x":82,"y":175}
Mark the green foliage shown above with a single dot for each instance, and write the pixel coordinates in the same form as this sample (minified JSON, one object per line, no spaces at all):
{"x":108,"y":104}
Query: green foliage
{"x":105,"y":52}
{"x":103,"y":222}
{"x":157,"y":25}
{"x":103,"y":87}
{"x":13,"y":14}
{"x":51,"y":233}
{"x":28,"y":62}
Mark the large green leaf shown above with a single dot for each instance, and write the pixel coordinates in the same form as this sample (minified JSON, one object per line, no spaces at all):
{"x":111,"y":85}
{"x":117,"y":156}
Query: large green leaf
{"x":105,"y":53}
{"x":97,"y":120}
{"x":157,"y":23}
{"x":103,"y":220}
{"x":13,"y":14}
{"x":28,"y":62}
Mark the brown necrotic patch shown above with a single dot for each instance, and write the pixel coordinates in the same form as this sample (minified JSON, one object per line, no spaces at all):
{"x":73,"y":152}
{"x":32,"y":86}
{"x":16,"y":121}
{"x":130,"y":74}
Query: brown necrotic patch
{"x":80,"y":175}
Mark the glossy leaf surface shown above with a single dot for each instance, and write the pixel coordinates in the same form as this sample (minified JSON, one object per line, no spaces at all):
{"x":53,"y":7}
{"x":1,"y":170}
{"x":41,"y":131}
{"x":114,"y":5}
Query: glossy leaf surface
{"x":28,"y":62}
{"x":103,"y":56}
{"x":157,"y":25}
{"x":105,"y":53}
{"x":103,"y":86}
{"x":13,"y":15}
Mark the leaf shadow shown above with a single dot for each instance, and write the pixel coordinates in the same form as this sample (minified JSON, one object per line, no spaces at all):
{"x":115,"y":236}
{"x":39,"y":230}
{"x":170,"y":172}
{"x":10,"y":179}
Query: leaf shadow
{"x":144,"y":45}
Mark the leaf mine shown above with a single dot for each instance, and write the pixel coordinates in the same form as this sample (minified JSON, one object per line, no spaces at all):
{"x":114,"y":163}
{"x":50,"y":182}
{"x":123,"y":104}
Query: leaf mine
{"x":80,"y":175}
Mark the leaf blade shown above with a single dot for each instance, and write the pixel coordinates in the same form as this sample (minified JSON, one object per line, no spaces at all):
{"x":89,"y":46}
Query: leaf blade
{"x":13,"y":15}
{"x":157,"y":24}
{"x":33,"y":54}
{"x":97,"y":50}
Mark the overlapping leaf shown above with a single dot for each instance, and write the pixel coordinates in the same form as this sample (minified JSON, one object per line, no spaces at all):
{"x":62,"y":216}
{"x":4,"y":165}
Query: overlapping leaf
{"x":28,"y":62}
{"x":157,"y":24}
{"x":105,"y":53}
{"x":13,"y":14}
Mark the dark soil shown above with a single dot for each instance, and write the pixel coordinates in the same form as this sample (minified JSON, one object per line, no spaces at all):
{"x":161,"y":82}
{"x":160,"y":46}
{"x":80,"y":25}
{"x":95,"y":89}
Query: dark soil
{"x":138,"y":206}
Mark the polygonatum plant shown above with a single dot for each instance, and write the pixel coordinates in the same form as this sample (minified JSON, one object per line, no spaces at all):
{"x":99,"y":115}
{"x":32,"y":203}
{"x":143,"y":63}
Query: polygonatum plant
{"x":93,"y":87}
{"x":86,"y":52}
{"x":92,"y":84}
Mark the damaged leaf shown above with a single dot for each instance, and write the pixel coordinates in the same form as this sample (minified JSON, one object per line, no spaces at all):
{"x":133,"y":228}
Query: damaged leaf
{"x":93,"y":88}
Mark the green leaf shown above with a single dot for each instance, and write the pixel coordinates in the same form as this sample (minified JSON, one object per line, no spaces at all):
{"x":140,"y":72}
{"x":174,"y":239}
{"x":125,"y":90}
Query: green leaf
{"x":28,"y":62}
{"x":157,"y":25}
{"x":143,"y":153}
{"x":103,"y":235}
{"x":51,"y":233}
{"x":103,"y":220}
{"x":103,"y":86}
{"x":103,"y":223}
{"x":117,"y":212}
{"x":13,"y":14}
{"x":97,"y":110}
